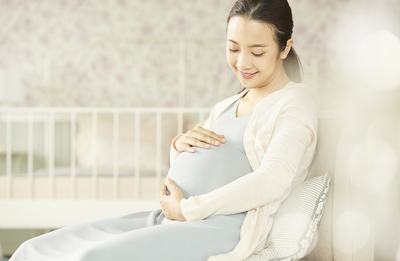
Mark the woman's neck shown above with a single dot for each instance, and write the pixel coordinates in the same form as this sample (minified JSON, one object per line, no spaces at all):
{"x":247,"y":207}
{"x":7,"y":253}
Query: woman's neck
{"x":255,"y":95}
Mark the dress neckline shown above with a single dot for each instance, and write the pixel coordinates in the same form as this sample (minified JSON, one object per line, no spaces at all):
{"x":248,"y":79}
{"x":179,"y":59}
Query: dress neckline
{"x":235,"y":110}
{"x":242,"y":94}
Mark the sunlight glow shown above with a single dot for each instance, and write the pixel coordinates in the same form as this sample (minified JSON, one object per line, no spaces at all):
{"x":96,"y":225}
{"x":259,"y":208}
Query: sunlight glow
{"x":351,"y":232}
{"x":373,"y":166}
{"x":378,"y":58}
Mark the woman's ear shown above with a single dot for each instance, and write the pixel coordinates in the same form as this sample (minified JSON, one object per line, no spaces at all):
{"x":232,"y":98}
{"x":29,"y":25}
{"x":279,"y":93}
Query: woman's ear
{"x":286,"y":51}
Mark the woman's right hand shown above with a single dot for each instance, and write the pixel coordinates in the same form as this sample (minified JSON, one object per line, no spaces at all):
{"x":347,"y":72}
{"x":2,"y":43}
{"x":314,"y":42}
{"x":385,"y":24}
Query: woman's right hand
{"x":198,"y":137}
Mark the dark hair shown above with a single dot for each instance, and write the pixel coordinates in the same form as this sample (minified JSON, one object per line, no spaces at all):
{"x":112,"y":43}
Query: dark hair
{"x":277,"y":14}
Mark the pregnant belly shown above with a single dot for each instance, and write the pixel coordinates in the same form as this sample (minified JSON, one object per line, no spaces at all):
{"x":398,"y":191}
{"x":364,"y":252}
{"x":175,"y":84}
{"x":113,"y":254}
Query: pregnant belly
{"x":208,"y":169}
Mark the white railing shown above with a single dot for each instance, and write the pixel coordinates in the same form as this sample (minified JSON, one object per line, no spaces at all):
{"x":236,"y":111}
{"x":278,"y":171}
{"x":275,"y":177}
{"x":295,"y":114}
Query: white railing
{"x":52,"y":115}
{"x":55,"y":212}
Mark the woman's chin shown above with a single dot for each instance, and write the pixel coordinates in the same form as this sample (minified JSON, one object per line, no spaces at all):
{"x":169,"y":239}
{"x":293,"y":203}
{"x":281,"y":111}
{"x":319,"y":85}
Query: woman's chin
{"x":247,"y":85}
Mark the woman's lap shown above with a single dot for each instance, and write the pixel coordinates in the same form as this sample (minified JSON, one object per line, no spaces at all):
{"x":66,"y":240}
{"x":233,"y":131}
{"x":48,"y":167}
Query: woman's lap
{"x":136,"y":237}
{"x":69,"y":242}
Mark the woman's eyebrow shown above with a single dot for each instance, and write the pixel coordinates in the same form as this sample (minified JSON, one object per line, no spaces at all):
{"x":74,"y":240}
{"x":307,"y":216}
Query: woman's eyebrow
{"x":253,"y":45}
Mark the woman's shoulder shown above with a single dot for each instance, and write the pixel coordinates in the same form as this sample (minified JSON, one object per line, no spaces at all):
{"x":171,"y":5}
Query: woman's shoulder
{"x":300,"y":95}
{"x":300,"y":91}
{"x":301,"y":102}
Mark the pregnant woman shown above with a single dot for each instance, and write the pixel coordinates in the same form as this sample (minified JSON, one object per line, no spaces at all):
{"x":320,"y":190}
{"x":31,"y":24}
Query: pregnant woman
{"x":228,"y":176}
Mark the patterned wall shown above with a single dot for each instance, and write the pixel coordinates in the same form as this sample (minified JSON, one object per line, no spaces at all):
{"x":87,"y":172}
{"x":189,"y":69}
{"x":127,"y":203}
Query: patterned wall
{"x":155,"y":52}
{"x":116,"y":53}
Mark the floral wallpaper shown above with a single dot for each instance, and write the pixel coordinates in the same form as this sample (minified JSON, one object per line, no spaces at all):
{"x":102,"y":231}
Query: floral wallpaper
{"x":164,"y":53}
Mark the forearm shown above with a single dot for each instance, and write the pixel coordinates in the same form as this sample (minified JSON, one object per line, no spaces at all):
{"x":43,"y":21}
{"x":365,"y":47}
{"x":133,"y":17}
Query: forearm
{"x":250,"y":191}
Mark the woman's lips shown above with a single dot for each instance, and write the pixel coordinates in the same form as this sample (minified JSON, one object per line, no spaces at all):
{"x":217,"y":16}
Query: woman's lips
{"x":247,"y":75}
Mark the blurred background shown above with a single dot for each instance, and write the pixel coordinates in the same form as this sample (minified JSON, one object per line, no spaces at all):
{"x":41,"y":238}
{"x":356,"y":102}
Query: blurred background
{"x":169,"y":53}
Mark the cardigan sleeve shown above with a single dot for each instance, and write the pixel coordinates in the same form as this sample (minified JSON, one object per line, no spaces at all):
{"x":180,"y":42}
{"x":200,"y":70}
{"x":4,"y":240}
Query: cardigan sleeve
{"x":278,"y":167}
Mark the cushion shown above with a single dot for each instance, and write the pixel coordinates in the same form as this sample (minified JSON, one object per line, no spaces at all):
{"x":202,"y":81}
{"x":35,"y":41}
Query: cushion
{"x":296,"y":221}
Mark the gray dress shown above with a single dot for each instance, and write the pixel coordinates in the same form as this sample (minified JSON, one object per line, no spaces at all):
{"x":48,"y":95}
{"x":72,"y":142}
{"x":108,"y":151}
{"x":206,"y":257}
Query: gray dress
{"x":149,"y":235}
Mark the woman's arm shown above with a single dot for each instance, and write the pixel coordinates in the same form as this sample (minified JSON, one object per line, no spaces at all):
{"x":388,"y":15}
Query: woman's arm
{"x":279,"y":165}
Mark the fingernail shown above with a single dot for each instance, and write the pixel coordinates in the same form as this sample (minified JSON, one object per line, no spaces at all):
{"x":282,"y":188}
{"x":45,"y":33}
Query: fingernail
{"x":223,"y":140}
{"x":216,"y":142}
{"x":207,"y":146}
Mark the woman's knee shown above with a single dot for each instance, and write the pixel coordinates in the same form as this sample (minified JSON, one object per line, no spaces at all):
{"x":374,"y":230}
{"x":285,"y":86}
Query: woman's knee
{"x":22,"y":252}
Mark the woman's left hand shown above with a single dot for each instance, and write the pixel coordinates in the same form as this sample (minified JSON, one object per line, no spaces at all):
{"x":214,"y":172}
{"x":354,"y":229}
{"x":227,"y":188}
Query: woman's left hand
{"x":170,"y":205}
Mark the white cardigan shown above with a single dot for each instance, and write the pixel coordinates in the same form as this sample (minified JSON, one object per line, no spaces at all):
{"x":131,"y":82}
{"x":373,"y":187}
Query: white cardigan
{"x":279,"y":141}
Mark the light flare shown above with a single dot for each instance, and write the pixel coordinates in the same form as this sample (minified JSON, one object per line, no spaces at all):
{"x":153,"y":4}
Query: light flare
{"x":351,"y":232}
{"x":378,"y":57}
{"x":373,"y":166}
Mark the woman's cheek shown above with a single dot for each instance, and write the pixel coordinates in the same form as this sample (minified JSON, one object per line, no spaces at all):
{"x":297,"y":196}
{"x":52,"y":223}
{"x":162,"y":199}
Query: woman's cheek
{"x":262,"y":63}
{"x":231,"y":60}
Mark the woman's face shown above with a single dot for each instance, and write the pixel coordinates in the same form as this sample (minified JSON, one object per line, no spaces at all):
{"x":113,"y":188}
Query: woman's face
{"x":252,"y":52}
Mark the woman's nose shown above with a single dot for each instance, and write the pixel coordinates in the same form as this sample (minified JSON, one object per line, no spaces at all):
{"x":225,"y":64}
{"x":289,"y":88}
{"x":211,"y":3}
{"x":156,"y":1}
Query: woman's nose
{"x":244,"y":62}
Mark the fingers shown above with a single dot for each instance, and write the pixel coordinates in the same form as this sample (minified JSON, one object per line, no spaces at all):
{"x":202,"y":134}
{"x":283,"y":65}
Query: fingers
{"x":198,"y":137}
{"x":188,"y":148}
{"x":163,"y":191}
{"x":201,"y":137}
{"x":194,"y":140}
{"x":185,"y":147}
{"x":171,"y":205}
{"x":171,"y":184}
{"x":210,"y":136}
{"x":176,"y":192}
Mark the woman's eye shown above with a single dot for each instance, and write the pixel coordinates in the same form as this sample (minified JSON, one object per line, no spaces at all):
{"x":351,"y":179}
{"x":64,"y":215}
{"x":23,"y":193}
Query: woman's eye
{"x":258,"y":55}
{"x":233,"y":51}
